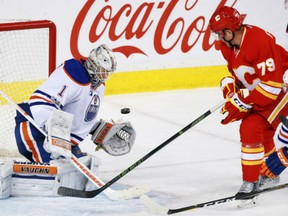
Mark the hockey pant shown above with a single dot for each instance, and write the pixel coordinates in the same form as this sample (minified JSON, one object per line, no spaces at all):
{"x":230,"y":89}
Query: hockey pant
{"x":257,"y":138}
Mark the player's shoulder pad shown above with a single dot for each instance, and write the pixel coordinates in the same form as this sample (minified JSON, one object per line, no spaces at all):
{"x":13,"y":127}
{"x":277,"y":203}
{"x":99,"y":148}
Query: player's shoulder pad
{"x":76,"y":71}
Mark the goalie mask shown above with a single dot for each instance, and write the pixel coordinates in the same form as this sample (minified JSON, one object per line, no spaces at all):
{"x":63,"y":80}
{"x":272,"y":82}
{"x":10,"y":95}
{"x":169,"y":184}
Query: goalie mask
{"x":115,"y":138}
{"x":100,"y":64}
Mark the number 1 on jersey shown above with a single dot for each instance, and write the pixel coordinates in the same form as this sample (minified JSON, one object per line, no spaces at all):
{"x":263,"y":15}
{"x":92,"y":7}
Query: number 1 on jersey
{"x":61,"y":93}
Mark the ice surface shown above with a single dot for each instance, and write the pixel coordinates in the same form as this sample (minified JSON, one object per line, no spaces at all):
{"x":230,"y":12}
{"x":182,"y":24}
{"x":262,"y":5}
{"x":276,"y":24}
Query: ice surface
{"x":202,"y":164}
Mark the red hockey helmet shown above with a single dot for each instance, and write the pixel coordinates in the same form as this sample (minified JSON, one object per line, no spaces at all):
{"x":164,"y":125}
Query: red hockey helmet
{"x":225,"y":18}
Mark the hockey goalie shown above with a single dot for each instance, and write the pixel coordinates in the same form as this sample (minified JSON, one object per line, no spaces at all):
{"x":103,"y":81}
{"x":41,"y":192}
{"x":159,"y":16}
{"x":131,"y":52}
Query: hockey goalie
{"x":63,"y":112}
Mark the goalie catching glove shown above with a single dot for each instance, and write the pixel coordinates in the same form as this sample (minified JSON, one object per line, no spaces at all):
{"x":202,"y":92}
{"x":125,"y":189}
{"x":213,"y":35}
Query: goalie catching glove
{"x":116,"y":138}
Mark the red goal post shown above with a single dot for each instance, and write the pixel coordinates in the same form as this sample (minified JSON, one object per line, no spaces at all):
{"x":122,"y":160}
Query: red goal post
{"x":27,"y":58}
{"x":37,"y":24}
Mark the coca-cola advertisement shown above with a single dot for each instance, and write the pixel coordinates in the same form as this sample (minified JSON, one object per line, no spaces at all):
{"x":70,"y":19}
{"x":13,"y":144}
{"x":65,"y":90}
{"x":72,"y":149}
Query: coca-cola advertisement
{"x":144,"y":35}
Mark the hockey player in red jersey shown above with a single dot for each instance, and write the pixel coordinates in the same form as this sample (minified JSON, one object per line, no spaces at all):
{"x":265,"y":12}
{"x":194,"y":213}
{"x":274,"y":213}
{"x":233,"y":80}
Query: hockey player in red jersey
{"x":257,"y":63}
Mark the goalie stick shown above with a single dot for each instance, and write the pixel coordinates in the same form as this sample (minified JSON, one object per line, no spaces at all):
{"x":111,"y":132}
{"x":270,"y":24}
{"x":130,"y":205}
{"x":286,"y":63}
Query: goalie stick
{"x":90,"y":194}
{"x":159,"y":209}
{"x":110,"y":193}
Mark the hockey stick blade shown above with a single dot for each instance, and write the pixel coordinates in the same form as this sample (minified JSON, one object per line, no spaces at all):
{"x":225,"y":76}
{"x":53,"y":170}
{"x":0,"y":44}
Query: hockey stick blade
{"x":159,"y":209}
{"x":90,"y":194}
{"x":125,"y":194}
{"x":284,"y":120}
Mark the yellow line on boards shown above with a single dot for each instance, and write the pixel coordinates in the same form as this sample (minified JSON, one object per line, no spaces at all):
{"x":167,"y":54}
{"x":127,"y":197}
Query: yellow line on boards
{"x":166,"y":79}
{"x":136,"y":82}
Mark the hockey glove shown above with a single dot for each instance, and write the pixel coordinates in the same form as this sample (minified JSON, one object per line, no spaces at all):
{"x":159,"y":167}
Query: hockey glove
{"x":115,"y":138}
{"x":236,"y":107}
{"x":275,"y":163}
{"x":228,"y":86}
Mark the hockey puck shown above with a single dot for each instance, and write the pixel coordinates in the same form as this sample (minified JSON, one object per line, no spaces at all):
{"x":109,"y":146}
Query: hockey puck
{"x":125,"y":110}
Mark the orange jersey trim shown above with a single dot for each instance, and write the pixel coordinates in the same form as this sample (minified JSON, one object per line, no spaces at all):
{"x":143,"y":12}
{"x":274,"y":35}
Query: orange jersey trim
{"x":29,"y":142}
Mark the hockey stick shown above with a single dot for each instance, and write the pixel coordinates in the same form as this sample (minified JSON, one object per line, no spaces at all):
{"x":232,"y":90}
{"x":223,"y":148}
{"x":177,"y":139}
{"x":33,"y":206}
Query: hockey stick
{"x":89,"y":194}
{"x":159,"y":209}
{"x":112,"y":194}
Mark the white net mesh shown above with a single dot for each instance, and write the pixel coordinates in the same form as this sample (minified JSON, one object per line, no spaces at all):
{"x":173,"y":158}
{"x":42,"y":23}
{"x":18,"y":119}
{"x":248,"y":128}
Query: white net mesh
{"x":24,"y":65}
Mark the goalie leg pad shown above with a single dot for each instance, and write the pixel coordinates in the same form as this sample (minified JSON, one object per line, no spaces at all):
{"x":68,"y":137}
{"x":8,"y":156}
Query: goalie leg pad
{"x":5,"y":179}
{"x":44,"y":179}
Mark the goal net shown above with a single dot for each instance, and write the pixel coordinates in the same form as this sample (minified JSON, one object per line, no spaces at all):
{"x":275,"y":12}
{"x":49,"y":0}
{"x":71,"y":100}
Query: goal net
{"x":27,"y":56}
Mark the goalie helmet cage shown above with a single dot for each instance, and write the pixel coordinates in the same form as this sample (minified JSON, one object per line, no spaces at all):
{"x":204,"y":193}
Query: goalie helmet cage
{"x":27,"y":58}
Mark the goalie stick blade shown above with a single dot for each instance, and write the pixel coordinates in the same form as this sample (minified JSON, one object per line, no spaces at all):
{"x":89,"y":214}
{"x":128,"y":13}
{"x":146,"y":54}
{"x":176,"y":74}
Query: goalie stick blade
{"x":65,"y":191}
{"x":284,"y":120}
{"x":157,"y":208}
{"x":125,"y":194}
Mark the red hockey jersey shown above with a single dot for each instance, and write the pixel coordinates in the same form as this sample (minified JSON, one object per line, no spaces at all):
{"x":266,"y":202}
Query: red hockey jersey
{"x":258,"y":65}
